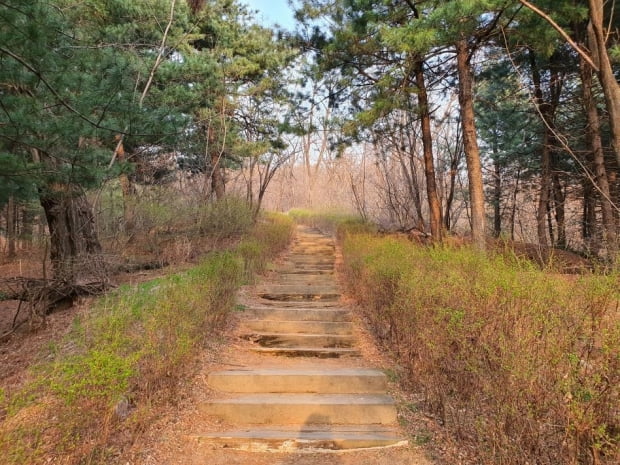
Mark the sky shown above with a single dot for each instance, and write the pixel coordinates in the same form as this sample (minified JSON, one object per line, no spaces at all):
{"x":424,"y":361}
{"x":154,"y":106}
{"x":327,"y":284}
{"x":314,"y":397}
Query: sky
{"x":273,"y":12}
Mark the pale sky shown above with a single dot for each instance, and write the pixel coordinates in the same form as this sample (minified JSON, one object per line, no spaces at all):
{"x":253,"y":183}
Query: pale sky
{"x":273,"y":12}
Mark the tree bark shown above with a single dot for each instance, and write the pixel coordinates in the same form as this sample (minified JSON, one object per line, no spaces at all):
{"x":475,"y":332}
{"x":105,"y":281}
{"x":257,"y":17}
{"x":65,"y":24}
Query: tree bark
{"x":588,"y":221}
{"x":611,"y":89}
{"x":546,"y":111}
{"x":127,"y":188}
{"x":559,"y":199}
{"x":545,"y":188}
{"x":598,"y":157}
{"x":10,"y":227}
{"x":75,"y":251}
{"x":427,"y":146}
{"x":497,"y":196}
{"x":513,"y":212}
{"x":470,"y":142}
{"x":218,"y":186}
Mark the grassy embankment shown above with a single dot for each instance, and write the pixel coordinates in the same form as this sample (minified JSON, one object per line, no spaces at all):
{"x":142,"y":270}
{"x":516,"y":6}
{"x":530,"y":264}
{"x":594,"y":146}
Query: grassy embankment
{"x":519,"y":363}
{"x":100,"y":387}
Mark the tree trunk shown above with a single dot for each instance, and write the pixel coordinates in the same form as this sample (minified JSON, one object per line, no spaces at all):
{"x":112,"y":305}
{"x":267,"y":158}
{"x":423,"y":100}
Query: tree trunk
{"x":217,"y":177}
{"x":470,"y":142}
{"x":545,"y":188}
{"x":611,"y":89}
{"x":559,"y":199}
{"x":434,"y":206}
{"x":547,"y":115}
{"x":75,"y":252}
{"x":598,"y":157}
{"x":127,"y":188}
{"x":588,"y":222}
{"x":497,"y":196}
{"x":10,"y":227}
{"x":454,"y":164}
{"x":513,"y":212}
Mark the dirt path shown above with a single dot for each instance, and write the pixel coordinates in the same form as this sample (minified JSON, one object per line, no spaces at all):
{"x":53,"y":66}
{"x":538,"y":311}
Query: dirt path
{"x":296,"y":340}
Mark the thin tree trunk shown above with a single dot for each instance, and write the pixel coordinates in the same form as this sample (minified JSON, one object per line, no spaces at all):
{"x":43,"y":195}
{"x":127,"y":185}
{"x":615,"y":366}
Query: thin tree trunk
{"x":127,"y":188}
{"x":559,"y":199}
{"x":427,"y":146}
{"x":513,"y":212}
{"x":598,"y":157}
{"x":545,"y":187}
{"x":588,"y":222}
{"x":546,"y":110}
{"x":217,"y":179}
{"x":10,"y":227}
{"x":454,"y":164}
{"x":497,"y":196}
{"x":472,"y":151}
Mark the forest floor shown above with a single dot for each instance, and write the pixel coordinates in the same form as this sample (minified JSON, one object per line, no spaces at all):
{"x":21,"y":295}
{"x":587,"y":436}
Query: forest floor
{"x":164,"y":442}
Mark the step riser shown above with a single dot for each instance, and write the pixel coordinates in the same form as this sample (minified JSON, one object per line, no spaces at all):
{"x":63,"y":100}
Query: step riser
{"x":301,"y":443}
{"x":298,"y":315}
{"x":333,"y":384}
{"x":276,"y":414}
{"x":310,"y":297}
{"x":307,"y":327}
{"x":298,"y":304}
{"x":308,"y":352}
{"x":322,"y":341}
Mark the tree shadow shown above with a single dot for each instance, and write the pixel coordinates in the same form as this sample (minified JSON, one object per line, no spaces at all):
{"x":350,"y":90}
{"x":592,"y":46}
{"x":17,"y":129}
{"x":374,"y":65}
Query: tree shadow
{"x":317,"y":429}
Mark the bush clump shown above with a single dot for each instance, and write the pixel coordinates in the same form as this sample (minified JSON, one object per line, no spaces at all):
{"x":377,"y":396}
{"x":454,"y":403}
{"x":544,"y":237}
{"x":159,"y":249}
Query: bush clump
{"x":523,"y":364}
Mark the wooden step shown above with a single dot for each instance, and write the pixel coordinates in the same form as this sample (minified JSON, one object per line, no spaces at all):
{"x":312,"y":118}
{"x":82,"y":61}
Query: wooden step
{"x":317,"y":380}
{"x":308,"y":438}
{"x":324,"y":341}
{"x":326,"y":409}
{"x":334,"y":352}
{"x":298,"y":314}
{"x":343,"y":328}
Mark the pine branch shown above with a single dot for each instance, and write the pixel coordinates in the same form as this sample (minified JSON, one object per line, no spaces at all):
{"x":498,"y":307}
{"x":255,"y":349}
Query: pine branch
{"x":562,"y":32}
{"x":51,"y":88}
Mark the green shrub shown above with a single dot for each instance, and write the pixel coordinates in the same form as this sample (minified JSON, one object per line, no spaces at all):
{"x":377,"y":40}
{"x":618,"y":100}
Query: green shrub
{"x":525,"y":362}
{"x":229,"y":217}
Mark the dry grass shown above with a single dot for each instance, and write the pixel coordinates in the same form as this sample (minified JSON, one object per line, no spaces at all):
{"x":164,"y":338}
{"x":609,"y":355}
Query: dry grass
{"x":520,"y":364}
{"x":101,"y":385}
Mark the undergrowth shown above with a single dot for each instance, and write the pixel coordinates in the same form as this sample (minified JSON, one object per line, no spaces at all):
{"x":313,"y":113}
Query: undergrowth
{"x":520,"y":363}
{"x":126,"y":355}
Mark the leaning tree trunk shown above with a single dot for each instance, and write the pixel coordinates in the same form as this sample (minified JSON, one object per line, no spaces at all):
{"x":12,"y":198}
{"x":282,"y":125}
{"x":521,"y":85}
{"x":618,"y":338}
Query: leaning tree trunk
{"x":75,"y":251}
{"x":470,"y":143}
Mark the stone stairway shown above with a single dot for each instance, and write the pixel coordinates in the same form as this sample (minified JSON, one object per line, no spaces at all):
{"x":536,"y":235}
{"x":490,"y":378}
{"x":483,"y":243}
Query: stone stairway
{"x":289,"y":397}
